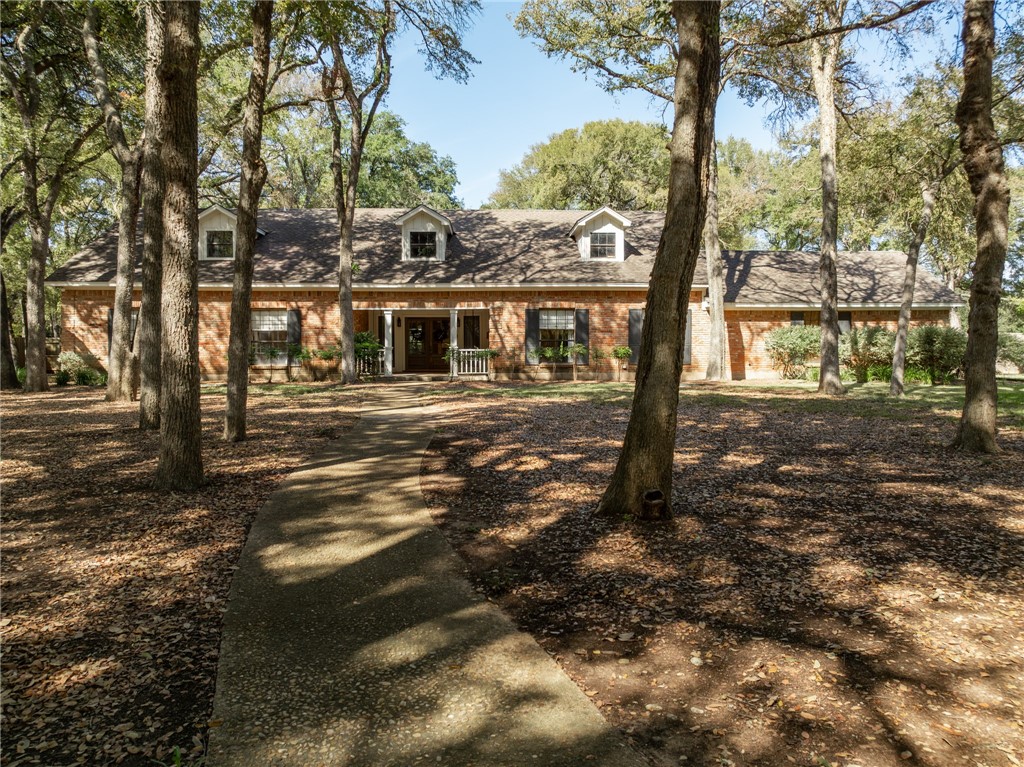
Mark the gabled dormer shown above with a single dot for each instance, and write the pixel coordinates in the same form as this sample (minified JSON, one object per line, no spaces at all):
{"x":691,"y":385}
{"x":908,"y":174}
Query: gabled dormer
{"x":425,"y":234}
{"x":601,"y":235}
{"x":218,"y":234}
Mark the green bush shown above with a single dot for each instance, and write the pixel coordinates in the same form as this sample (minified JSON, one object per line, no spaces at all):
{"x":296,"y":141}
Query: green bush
{"x":329,"y":354}
{"x":367,"y":345}
{"x":1011,"y":349}
{"x":860,"y":349}
{"x":70,"y":362}
{"x":622,"y":352}
{"x":939,"y":350}
{"x":21,"y":373}
{"x":911,"y":374}
{"x":789,"y":348}
{"x":85,"y":377}
{"x":62,"y":378}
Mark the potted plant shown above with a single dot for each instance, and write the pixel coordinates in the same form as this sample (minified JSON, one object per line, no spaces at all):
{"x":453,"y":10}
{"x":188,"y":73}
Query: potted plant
{"x":622,"y":354}
{"x":575,"y":351}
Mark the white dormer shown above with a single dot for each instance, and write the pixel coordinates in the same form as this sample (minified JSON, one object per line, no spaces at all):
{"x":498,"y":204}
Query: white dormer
{"x":218,"y":234}
{"x":425,"y":234}
{"x":601,"y":235}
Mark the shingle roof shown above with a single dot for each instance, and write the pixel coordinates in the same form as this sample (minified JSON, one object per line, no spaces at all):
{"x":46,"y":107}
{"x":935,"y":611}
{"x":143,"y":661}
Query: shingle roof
{"x":505,"y":247}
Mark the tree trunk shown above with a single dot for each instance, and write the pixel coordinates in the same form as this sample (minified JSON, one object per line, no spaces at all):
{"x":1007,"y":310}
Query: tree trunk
{"x":120,"y":382}
{"x":35,"y":305}
{"x":719,"y":368}
{"x":645,"y":464}
{"x":344,"y":204}
{"x":929,"y":193}
{"x":180,"y":464}
{"x":8,"y":371}
{"x":823,"y":69}
{"x":147,"y":334}
{"x":983,"y":162}
{"x":254,"y":174}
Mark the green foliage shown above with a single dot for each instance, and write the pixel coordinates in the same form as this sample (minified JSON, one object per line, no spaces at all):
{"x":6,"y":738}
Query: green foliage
{"x":20,"y":373}
{"x":86,"y":377}
{"x":937,"y":349}
{"x":70,"y":362}
{"x":862,"y":348}
{"x":622,"y":352}
{"x":790,"y":346}
{"x":1011,"y":349}
{"x":299,"y":353}
{"x":327,"y":354}
{"x":62,"y":377}
{"x":609,"y":162}
{"x":367,"y":345}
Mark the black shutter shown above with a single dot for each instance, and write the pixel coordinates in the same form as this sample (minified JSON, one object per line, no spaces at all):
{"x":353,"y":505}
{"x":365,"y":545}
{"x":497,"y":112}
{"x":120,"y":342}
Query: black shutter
{"x":532,"y":336}
{"x":294,"y":331}
{"x":380,"y":329}
{"x":689,"y":335}
{"x":582,"y":333}
{"x":636,"y":330}
{"x":110,"y":333}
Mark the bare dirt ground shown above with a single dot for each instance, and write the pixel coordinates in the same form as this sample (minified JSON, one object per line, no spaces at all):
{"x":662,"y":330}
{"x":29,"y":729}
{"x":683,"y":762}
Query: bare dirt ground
{"x":837,"y":587}
{"x":112,"y":591}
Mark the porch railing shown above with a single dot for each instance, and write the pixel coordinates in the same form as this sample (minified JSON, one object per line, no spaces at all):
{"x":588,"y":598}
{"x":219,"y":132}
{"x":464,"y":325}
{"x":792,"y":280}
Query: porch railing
{"x":469,"y":361}
{"x":370,"y":365}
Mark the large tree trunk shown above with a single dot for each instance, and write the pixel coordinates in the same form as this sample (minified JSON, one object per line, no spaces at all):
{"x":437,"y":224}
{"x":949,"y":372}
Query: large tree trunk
{"x":120,"y":378}
{"x":983,"y":162}
{"x":345,"y":206}
{"x":644,"y":468}
{"x":929,"y":193}
{"x":148,"y":332}
{"x":180,"y":464}
{"x":254,"y":174}
{"x":8,"y":371}
{"x":35,"y":304}
{"x":719,"y":368}
{"x":823,"y":69}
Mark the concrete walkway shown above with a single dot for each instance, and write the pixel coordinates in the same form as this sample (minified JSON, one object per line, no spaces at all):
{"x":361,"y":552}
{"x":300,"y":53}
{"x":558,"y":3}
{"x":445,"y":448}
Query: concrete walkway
{"x":351,"y":637}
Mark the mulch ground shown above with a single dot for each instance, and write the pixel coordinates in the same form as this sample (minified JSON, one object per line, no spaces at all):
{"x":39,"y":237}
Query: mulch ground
{"x":112,"y":591}
{"x":835,"y":589}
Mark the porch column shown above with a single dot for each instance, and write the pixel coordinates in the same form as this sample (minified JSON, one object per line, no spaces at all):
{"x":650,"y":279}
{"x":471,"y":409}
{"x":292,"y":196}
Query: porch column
{"x":389,"y":344}
{"x":453,"y":341}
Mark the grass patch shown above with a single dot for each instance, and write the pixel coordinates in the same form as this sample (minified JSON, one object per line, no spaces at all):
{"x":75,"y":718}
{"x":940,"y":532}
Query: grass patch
{"x":276,"y":390}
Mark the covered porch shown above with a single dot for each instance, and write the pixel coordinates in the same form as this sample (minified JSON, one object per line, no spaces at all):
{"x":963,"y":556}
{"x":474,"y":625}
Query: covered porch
{"x":417,"y":340}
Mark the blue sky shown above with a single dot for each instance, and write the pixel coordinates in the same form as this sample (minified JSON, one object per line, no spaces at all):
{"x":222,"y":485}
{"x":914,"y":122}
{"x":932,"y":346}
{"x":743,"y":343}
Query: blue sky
{"x":516,"y":98}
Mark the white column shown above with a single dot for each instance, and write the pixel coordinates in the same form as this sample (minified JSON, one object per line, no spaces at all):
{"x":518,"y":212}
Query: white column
{"x":453,"y":341}
{"x":389,"y":344}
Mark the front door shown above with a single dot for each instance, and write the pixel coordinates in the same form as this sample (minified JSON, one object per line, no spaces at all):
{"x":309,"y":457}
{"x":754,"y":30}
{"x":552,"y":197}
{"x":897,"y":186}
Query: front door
{"x":426,"y":340}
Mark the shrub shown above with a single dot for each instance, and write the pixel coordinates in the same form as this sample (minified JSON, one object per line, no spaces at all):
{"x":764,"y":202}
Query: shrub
{"x":789,"y":347}
{"x":70,"y":362}
{"x":939,"y":350}
{"x":62,"y":378}
{"x":860,"y":349}
{"x":1011,"y":349}
{"x":299,"y":353}
{"x":328,"y":354}
{"x":622,"y":352}
{"x":85,"y":376}
{"x":367,"y":345}
{"x":21,"y":373}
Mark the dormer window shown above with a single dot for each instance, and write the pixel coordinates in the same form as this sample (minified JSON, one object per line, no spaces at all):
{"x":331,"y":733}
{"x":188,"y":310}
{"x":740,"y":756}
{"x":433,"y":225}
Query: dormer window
{"x":602,"y":245}
{"x":422,"y":246}
{"x":220,"y":243}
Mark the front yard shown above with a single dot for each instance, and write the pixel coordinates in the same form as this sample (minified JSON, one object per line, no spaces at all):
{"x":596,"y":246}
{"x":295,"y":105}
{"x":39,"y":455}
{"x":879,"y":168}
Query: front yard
{"x":837,"y":589}
{"x":113,"y":592}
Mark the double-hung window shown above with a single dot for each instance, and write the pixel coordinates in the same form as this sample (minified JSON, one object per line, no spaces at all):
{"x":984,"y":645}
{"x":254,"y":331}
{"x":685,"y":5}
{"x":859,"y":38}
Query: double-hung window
{"x":556,"y":328}
{"x":270,"y":336}
{"x":845,"y":322}
{"x":220,"y":244}
{"x":602,"y":246}
{"x":422,"y":246}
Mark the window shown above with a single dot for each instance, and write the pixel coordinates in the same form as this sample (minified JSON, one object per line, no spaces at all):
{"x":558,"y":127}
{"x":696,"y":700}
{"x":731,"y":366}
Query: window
{"x":422,"y":245}
{"x":602,"y":245}
{"x":270,"y":336}
{"x":471,"y":332}
{"x":845,"y":320}
{"x":220,"y":244}
{"x":556,"y":329}
{"x":796,"y":318}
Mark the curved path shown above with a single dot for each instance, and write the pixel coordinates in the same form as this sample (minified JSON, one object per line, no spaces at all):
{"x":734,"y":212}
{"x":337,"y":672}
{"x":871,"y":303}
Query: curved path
{"x":351,"y":637}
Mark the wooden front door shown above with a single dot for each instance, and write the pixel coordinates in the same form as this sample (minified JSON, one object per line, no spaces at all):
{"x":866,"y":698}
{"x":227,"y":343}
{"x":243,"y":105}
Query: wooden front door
{"x":426,"y":340}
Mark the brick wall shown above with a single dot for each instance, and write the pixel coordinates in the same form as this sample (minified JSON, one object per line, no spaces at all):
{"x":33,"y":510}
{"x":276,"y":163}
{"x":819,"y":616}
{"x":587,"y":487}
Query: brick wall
{"x":84,"y":324}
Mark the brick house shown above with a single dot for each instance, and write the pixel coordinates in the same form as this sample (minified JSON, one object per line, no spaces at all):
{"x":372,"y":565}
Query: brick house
{"x":514,"y":281}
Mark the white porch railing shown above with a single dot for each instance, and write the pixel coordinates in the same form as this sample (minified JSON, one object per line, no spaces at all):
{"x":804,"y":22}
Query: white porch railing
{"x":370,"y":365}
{"x":469,"y":361}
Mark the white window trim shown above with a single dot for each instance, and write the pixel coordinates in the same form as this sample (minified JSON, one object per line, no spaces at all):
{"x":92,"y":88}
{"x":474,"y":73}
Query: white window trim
{"x":206,"y":245}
